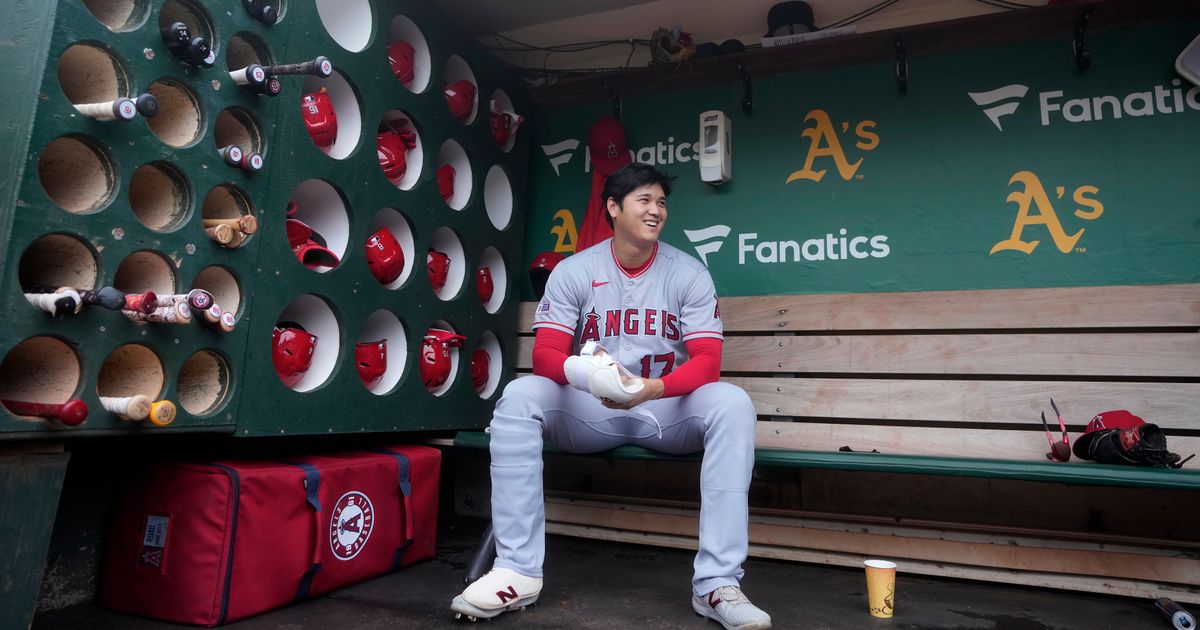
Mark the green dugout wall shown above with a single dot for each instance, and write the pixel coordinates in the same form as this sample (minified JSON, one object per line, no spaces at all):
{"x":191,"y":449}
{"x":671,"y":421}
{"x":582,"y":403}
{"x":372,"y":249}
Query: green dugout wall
{"x":1001,"y":167}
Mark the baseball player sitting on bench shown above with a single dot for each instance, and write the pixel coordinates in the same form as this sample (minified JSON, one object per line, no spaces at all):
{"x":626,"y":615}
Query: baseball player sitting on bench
{"x":628,"y":351}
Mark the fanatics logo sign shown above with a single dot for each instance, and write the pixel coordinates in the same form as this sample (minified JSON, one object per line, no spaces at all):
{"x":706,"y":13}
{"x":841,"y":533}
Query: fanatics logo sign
{"x":351,"y":525}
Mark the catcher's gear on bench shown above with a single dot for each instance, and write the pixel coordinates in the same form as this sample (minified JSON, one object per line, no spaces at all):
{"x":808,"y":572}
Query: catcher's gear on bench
{"x":596,"y":372}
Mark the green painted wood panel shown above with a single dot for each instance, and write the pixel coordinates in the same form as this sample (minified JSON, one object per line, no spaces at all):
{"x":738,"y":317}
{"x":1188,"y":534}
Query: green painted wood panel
{"x":29,"y":488}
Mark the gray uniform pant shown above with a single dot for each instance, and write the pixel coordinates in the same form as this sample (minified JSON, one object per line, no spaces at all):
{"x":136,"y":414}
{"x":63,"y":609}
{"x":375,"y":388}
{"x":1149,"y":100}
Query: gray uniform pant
{"x":717,"y":417}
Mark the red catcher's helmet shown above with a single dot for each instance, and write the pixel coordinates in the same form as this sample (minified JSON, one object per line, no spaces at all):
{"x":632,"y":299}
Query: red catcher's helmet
{"x":400,"y":55}
{"x":320,"y":119}
{"x":292,"y":351}
{"x":439,"y":268}
{"x":460,"y":96}
{"x":385,"y":259}
{"x":504,"y":123}
{"x":479,"y":367}
{"x":540,"y":268}
{"x":308,"y":246}
{"x":370,"y":357}
{"x":445,"y":179}
{"x":435,"y":355}
{"x":483,"y":283}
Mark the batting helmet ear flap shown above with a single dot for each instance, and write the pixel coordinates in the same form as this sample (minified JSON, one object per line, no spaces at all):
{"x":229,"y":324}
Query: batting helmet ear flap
{"x":435,"y":356}
{"x":370,"y":357}
{"x":385,"y":259}
{"x":439,"y":268}
{"x":292,"y":351}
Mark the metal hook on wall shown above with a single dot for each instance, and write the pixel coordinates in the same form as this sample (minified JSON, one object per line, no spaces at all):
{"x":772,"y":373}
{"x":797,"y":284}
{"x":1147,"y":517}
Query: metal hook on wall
{"x":616,"y":99}
{"x":1083,"y":56}
{"x":747,"y":89}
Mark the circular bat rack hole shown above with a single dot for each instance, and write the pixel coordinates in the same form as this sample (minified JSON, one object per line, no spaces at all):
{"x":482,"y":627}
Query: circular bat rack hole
{"x":494,"y":263}
{"x":498,"y":197}
{"x":226,"y":201}
{"x":180,"y":121}
{"x":445,"y":240}
{"x":455,"y":358}
{"x":119,"y":15}
{"x":204,"y":383}
{"x":396,"y":120}
{"x":90,"y":73}
{"x":245,"y":49}
{"x":347,"y":109}
{"x":382,"y":325}
{"x":193,"y":15}
{"x":238,"y":127}
{"x":349,"y":22}
{"x":315,"y":316}
{"x":491,"y":345}
{"x":323,"y":224}
{"x":77,"y":174}
{"x":505,"y":104}
{"x":160,"y":196}
{"x":223,"y":285}
{"x":39,"y":370}
{"x":58,"y":260}
{"x":457,"y":69}
{"x":401,"y":229}
{"x":145,"y":271}
{"x":403,"y":29}
{"x":452,"y":154}
{"x":131,"y":370}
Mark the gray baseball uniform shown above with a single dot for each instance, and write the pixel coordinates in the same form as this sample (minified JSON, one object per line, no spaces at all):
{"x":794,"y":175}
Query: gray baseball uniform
{"x":643,"y":320}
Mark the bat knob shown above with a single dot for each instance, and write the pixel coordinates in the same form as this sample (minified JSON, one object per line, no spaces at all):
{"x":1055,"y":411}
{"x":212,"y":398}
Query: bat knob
{"x":73,"y":413}
{"x":147,"y":105}
{"x":323,"y":66}
{"x":110,"y":298}
{"x":162,"y":413}
{"x":1061,"y":451}
{"x":268,"y":15}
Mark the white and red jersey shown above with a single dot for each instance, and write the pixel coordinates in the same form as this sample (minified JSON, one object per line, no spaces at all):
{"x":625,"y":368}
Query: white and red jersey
{"x":643,"y":319}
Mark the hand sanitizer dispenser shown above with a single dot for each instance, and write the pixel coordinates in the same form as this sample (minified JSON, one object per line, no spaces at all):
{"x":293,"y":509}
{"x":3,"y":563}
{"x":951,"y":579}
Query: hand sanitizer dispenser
{"x":716,"y":158}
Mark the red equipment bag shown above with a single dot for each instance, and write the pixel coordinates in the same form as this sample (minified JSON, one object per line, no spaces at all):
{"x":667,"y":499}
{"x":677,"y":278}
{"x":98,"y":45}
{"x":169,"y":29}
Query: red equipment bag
{"x":211,"y":543}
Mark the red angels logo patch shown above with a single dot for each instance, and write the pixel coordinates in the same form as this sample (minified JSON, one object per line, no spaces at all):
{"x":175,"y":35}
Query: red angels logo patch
{"x":351,"y":524}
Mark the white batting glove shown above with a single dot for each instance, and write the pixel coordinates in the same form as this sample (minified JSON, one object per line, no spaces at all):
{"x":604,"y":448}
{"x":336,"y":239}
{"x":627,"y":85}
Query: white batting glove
{"x":594,"y":371}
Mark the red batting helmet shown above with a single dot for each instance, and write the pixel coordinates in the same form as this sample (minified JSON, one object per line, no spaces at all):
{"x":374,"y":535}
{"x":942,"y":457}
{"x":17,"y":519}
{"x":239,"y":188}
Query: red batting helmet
{"x":292,"y":350}
{"x":540,"y":268}
{"x":460,"y":96}
{"x":370,"y":357}
{"x":320,"y":119}
{"x":445,"y":181}
{"x":439,"y":267}
{"x":400,"y":55}
{"x":479,"y":367}
{"x":308,"y":246}
{"x":385,"y":259}
{"x":504,"y":123}
{"x":393,"y":155}
{"x":483,"y":283}
{"x":435,"y":355}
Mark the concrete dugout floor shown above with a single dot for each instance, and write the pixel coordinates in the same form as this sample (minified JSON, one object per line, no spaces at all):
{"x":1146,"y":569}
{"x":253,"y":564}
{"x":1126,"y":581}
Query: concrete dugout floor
{"x":592,"y":584}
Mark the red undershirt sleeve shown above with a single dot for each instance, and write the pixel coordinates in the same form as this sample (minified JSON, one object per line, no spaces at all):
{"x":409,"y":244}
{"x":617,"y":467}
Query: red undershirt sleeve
{"x":550,"y":350}
{"x":702,"y":367}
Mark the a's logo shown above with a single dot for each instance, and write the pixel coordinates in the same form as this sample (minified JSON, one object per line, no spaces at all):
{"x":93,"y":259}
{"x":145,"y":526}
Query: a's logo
{"x":564,"y":230}
{"x":1000,"y":102}
{"x":560,"y":153}
{"x":1034,"y":208}
{"x":824,"y":143}
{"x":351,"y":524}
{"x":703,"y":240}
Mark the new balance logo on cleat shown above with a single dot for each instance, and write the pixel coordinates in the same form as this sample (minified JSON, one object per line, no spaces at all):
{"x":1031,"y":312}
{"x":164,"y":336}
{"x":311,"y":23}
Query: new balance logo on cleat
{"x":504,"y":596}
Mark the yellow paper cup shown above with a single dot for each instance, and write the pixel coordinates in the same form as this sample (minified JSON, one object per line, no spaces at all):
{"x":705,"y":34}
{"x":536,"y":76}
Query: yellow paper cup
{"x":881,"y":587}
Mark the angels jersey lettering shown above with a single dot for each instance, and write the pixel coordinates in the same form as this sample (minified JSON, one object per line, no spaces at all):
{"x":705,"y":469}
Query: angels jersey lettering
{"x":643,"y":320}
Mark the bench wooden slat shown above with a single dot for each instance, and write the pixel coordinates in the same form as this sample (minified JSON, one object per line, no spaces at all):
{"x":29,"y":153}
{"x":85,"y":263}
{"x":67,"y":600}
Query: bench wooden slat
{"x":1023,"y":446}
{"x":1170,"y":405}
{"x":1167,"y":305}
{"x":1114,"y":355}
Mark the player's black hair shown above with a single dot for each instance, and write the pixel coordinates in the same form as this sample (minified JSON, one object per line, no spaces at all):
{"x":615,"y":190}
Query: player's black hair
{"x":629,"y":178}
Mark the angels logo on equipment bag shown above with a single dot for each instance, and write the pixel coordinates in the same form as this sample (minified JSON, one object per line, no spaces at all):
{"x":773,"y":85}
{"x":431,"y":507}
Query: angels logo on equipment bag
{"x":351,"y":525}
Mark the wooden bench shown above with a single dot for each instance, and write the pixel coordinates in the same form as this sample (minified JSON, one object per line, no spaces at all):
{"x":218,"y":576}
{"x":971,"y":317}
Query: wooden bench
{"x":950,"y":384}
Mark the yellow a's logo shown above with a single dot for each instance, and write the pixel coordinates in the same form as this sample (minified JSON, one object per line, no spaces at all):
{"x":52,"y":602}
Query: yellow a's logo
{"x":824,"y":142}
{"x":565,"y":231}
{"x":1033,"y":197}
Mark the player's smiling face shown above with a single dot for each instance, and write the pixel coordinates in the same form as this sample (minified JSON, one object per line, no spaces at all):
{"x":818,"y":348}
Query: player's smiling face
{"x":641,"y":215}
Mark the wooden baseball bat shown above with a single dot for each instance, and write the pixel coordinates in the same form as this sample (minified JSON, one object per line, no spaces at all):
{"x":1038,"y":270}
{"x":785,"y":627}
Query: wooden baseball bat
{"x":144,"y":303}
{"x":70,"y":413}
{"x":252,"y":75}
{"x":59,"y":304}
{"x":178,"y":313}
{"x":246,"y":223}
{"x":198,"y":299}
{"x":119,"y":109}
{"x":212,"y":314}
{"x":222,"y":234}
{"x":227,"y":322}
{"x":320,"y":66}
{"x":162,"y":413}
{"x":135,"y":407}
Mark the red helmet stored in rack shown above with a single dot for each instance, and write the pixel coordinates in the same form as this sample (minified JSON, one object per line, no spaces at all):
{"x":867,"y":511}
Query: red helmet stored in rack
{"x":479,"y":367}
{"x":484,"y":284}
{"x":504,"y":123}
{"x":439,"y":268}
{"x":320,"y":119}
{"x":385,"y":259}
{"x":460,"y":96}
{"x":292,"y":350}
{"x":392,"y":146}
{"x":400,"y":56}
{"x":540,"y":268}
{"x":445,"y":181}
{"x":435,"y":355}
{"x":370,"y":357}
{"x":308,"y":246}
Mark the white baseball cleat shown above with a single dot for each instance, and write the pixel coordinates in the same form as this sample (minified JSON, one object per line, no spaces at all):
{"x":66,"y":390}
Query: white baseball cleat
{"x":729,"y":607}
{"x":499,"y":591}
